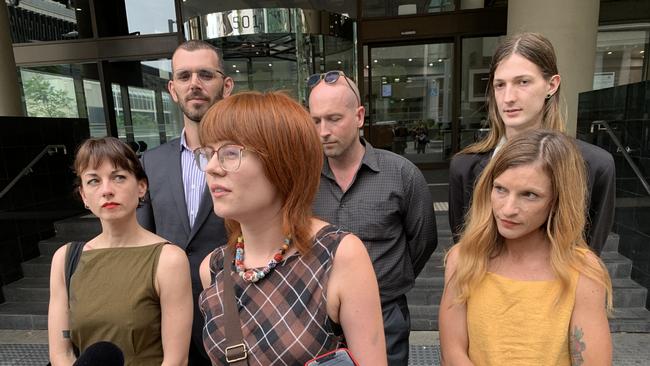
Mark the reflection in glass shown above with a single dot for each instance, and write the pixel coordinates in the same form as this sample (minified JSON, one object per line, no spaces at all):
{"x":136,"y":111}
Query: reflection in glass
{"x":387,"y":8}
{"x":476,"y":58}
{"x":620,"y":57}
{"x":45,"y":20}
{"x":193,"y":8}
{"x":149,"y":17}
{"x":48,"y":95}
{"x":144,"y":111}
{"x":411,"y":100}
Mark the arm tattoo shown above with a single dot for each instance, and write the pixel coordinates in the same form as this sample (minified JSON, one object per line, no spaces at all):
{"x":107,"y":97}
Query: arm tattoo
{"x":576,"y":347}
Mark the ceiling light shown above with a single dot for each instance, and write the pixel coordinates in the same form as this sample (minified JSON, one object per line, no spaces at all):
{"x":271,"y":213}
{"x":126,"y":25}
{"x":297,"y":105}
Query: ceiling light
{"x":375,"y":61}
{"x":641,"y":51}
{"x":397,"y":80}
{"x":439,"y":60}
{"x":270,"y":65}
{"x":234,"y":65}
{"x":430,"y":63}
{"x":339,"y":62}
{"x":410,"y":59}
{"x":609,"y":53}
{"x":236,"y":70}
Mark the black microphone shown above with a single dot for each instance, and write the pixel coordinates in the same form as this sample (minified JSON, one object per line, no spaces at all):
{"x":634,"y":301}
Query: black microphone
{"x":101,"y":354}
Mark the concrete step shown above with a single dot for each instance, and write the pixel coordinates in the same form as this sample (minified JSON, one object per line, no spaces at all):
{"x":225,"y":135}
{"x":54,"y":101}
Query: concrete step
{"x":23,"y":315}
{"x":617,"y":265}
{"x":78,"y":228}
{"x":49,"y":246}
{"x":427,"y":291}
{"x":611,"y":245}
{"x":37,"y":267}
{"x":28,"y":289}
{"x":628,"y":293}
{"x":632,"y":320}
{"x":424,"y":317}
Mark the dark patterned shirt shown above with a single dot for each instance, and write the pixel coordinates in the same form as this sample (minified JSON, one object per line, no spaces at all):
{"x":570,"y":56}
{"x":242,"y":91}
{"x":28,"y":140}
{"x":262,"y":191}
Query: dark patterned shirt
{"x":389,"y":207}
{"x":283,"y":316}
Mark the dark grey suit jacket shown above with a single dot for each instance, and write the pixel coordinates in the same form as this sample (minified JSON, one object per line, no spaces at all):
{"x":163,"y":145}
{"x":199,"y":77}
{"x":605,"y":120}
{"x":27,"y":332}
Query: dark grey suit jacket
{"x":165,"y":213}
{"x":465,"y":169}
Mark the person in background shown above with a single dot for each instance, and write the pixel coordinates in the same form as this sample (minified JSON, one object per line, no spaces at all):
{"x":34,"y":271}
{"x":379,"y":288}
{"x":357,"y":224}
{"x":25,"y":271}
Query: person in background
{"x":129,"y":288}
{"x":521,"y":285}
{"x":297,"y":280}
{"x":379,"y":196}
{"x":179,"y":207}
{"x":523,"y":95}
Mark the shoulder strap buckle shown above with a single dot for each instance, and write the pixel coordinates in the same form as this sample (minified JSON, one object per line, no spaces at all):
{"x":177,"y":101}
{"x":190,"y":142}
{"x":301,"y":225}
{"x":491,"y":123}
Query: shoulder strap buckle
{"x":239,"y":353}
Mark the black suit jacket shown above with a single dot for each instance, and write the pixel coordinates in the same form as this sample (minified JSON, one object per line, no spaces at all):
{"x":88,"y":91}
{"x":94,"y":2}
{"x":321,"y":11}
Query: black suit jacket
{"x":465,"y":169}
{"x":165,"y":213}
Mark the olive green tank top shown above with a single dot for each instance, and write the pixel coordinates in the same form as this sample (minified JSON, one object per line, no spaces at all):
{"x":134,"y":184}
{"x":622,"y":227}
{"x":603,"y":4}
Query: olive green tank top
{"x":113,"y":298}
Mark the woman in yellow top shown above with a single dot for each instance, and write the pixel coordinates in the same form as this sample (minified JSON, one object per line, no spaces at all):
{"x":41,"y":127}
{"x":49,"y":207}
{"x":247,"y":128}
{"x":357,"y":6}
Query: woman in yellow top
{"x":129,"y":288}
{"x":521,"y":285}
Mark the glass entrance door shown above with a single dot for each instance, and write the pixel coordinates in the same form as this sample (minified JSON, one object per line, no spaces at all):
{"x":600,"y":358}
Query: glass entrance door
{"x":410,"y":101}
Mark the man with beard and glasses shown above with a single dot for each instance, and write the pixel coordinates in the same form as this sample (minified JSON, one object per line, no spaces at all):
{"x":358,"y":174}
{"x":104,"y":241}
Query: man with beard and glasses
{"x":179,"y":206}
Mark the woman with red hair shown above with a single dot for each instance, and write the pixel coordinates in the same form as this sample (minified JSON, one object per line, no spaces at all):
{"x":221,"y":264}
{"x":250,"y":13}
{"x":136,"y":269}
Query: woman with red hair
{"x":295,"y":277}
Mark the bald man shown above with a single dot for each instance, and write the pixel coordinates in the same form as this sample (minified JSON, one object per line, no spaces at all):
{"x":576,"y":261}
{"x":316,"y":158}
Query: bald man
{"x":377,"y":195}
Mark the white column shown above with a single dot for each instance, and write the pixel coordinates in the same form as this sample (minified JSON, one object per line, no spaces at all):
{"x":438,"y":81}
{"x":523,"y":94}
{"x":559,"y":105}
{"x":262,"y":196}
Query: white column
{"x":572,"y":27}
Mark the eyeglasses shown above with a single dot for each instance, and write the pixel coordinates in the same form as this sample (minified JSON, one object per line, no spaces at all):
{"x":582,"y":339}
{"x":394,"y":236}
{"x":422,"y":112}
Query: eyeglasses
{"x":229,"y":157}
{"x":205,"y":75}
{"x":331,"y":77}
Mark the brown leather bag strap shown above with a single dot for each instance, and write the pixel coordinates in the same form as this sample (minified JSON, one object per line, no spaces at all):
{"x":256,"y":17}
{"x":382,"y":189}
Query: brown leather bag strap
{"x":236,"y":351}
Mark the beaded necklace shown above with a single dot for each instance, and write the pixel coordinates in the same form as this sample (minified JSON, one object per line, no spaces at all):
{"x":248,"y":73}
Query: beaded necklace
{"x":254,"y":275}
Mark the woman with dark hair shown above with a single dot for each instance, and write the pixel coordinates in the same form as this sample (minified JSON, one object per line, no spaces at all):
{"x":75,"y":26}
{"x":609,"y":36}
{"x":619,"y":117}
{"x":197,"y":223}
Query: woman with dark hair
{"x":129,"y":288}
{"x":521,"y":285}
{"x":295,"y":278}
{"x":523,"y":95}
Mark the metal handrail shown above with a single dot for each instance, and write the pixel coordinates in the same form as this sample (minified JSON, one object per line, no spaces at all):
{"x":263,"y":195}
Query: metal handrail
{"x":624,"y":150}
{"x":49,"y":150}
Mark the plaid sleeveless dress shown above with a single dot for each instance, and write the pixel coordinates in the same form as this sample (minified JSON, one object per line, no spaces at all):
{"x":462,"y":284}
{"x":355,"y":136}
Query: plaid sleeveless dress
{"x":283,"y":316}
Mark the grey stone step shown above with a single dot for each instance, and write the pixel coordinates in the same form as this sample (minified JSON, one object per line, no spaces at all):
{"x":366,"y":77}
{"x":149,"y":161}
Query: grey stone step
{"x":37,"y":267}
{"x":628,"y":293}
{"x":617,"y":265}
{"x":28,"y":289}
{"x":424,"y":317}
{"x":78,"y":228}
{"x":611,"y":245}
{"x":23,"y":315}
{"x":632,"y":320}
{"x":47,"y":247}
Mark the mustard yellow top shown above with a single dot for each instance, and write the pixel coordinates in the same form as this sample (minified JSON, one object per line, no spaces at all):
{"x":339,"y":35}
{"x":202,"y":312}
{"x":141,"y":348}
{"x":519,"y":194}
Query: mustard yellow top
{"x":113,"y":298}
{"x":513,"y":322}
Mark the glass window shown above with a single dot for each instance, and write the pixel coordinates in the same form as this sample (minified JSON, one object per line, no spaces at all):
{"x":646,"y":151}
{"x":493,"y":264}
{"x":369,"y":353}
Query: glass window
{"x":48,"y":95}
{"x":194,"y":8}
{"x":148,"y":17}
{"x":45,"y":20}
{"x":388,"y":8}
{"x":620,"y":57}
{"x":476,"y":58}
{"x":411,"y":104}
{"x":144,"y":111}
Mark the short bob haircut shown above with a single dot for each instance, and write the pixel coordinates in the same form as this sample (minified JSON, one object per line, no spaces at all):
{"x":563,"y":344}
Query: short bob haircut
{"x":556,"y":155}
{"x":94,"y":151}
{"x":537,"y":49}
{"x":282,"y":133}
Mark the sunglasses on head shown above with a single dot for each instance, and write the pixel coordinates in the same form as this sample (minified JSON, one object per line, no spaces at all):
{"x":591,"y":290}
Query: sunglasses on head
{"x":331,"y":77}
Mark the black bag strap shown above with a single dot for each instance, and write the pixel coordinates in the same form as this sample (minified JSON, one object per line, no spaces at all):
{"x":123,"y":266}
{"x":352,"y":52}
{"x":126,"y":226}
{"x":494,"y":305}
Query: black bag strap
{"x":72,"y":255}
{"x":236,"y":352}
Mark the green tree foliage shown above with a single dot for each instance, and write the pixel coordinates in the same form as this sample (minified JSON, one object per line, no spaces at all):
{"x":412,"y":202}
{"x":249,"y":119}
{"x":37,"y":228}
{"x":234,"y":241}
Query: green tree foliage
{"x":45,"y":100}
